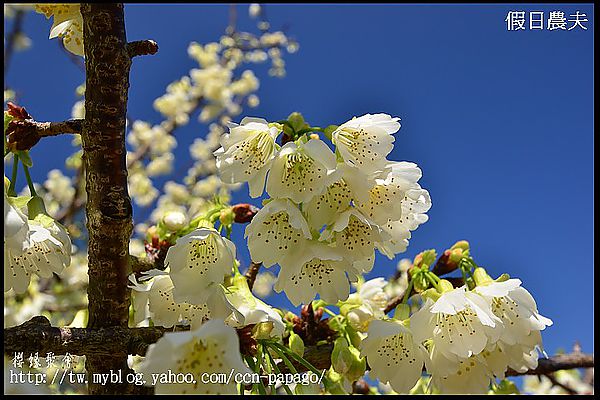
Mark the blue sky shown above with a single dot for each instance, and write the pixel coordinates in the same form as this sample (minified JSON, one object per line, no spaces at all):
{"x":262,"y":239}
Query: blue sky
{"x":500,"y":122}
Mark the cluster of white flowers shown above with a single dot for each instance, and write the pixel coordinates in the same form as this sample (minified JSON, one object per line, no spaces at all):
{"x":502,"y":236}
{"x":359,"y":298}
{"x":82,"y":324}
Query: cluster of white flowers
{"x":198,"y":289}
{"x":327,"y":213}
{"x":38,"y":246}
{"x":157,"y":144}
{"x":464,"y":338}
{"x":198,"y":286}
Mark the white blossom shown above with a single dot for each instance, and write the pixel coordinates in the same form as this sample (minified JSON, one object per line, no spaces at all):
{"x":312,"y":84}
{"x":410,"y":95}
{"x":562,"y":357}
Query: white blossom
{"x":458,"y":322}
{"x":301,"y":171}
{"x":354,"y":236}
{"x":364,"y":142}
{"x":154,"y":299}
{"x":515,"y":307}
{"x":213,"y":348}
{"x":386,"y":197}
{"x":247,"y":153}
{"x":393,"y":354}
{"x":40,"y":246}
{"x":174,"y":220}
{"x":198,"y":261}
{"x":322,"y":271}
{"x":472,"y":376}
{"x":278,"y":234}
{"x":415,"y":204}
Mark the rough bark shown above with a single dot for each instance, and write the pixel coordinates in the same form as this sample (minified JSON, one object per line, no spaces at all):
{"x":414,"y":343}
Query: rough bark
{"x":108,"y":209}
{"x":24,"y":134}
{"x":37,"y":335}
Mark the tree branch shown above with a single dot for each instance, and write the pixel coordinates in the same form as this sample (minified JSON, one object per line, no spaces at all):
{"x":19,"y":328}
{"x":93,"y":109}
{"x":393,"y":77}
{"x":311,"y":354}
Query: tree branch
{"x":252,"y":273}
{"x":555,"y":382}
{"x":142,"y":48}
{"x":23,"y":134}
{"x":108,"y":207}
{"x":9,"y":44}
{"x":557,"y":363}
{"x":37,"y":335}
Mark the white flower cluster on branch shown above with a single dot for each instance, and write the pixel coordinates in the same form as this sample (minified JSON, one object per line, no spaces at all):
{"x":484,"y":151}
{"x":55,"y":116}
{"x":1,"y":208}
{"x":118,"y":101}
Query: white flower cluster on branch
{"x":328,"y":212}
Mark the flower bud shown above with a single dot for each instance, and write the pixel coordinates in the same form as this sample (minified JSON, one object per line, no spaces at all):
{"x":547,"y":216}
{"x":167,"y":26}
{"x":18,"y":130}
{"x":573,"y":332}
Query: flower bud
{"x":455,"y":256}
{"x":425,"y":258}
{"x":359,"y":318}
{"x":297,"y":121}
{"x":244,"y":212}
{"x":174,"y":220}
{"x":296,"y":344}
{"x":226,"y":216}
{"x":461,"y":244}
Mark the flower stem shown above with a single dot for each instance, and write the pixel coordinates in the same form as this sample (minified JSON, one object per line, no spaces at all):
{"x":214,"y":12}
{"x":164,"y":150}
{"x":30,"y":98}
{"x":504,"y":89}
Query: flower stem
{"x":408,"y":290}
{"x":29,"y":181}
{"x":286,"y":360}
{"x":278,"y":371}
{"x":328,"y":311}
{"x":260,"y":387}
{"x":299,"y":359}
{"x":13,"y":179}
{"x":430,"y":277}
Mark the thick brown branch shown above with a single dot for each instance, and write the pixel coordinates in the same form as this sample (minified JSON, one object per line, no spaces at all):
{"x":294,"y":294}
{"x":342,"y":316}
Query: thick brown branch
{"x":142,"y":48}
{"x":37,"y":335}
{"x":108,"y":207}
{"x":24,"y":134}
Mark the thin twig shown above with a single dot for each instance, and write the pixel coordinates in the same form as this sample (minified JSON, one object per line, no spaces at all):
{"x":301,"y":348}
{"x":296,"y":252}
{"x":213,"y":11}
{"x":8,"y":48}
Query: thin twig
{"x":555,"y":382}
{"x":9,"y":45}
